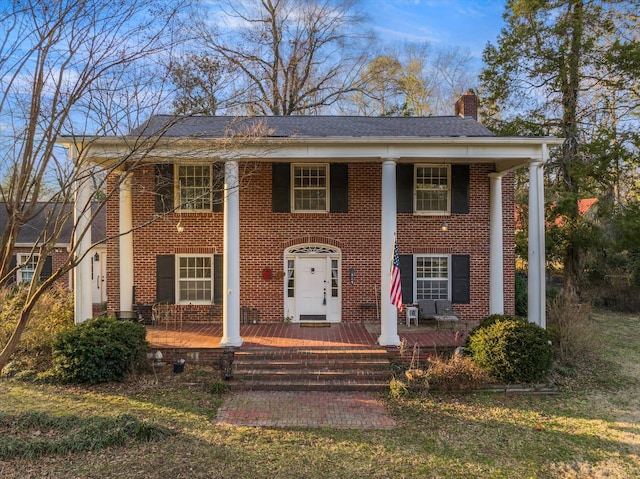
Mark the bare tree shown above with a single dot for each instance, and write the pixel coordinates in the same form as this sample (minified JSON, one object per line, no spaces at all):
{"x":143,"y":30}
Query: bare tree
{"x":67,"y":66}
{"x":286,"y":57}
{"x":412,"y":80}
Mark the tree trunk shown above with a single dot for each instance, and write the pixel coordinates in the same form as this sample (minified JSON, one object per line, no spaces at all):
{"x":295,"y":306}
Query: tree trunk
{"x":14,"y":340}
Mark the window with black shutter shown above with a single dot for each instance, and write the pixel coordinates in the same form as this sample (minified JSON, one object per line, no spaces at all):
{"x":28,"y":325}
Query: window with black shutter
{"x":339,"y":184}
{"x":460,"y":278}
{"x":47,"y":268}
{"x":406,"y":277}
{"x":166,"y":278}
{"x":280,"y":186}
{"x":217,"y":279}
{"x":460,"y":189}
{"x":310,"y":191}
{"x":404,"y":188}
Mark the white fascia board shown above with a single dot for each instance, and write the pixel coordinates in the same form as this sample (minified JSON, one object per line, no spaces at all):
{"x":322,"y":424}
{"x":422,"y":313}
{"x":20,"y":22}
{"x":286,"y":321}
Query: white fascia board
{"x":107,"y":151}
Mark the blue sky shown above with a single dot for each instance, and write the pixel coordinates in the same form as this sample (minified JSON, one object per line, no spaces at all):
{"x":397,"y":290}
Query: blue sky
{"x":468,"y":24}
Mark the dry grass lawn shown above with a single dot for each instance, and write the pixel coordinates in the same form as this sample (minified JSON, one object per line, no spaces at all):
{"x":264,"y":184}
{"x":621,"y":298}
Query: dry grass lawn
{"x":590,"y":430}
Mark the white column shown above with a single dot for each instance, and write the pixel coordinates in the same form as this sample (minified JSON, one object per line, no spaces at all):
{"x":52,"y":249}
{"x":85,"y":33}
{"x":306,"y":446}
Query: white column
{"x":388,"y":312}
{"x":536,"y":276}
{"x":82,"y":287}
{"x":496,"y":260}
{"x":125,"y":228}
{"x":231,"y":258}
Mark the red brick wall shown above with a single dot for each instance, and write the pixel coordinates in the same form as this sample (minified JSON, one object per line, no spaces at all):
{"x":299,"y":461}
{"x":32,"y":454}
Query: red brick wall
{"x":265,"y":235}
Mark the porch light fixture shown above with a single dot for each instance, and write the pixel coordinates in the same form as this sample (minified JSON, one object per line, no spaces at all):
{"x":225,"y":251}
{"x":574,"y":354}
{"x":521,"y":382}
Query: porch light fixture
{"x":444,"y":226}
{"x":352,"y":276}
{"x":96,"y":257}
{"x":180,"y":227}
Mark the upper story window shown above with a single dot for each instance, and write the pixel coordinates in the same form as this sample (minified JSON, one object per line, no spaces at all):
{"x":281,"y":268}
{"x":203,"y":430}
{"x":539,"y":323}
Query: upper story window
{"x":189,"y":187}
{"x":28,"y":264}
{"x":194,"y":187}
{"x":194,"y":279}
{"x":432,"y":189}
{"x":310,"y":187}
{"x":432,"y":277}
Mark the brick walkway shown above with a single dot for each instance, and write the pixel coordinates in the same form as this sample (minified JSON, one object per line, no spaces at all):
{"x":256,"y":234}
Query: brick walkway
{"x":304,"y":409}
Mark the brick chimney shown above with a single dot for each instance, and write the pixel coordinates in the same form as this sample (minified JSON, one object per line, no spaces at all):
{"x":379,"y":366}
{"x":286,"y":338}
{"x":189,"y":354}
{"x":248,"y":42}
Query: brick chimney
{"x":467,"y":106}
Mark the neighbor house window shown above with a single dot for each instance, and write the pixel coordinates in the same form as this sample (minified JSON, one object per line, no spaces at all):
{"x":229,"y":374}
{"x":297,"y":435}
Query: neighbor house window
{"x":28,"y":264}
{"x":195,"y":279}
{"x":432,"y":277}
{"x":194,"y":187}
{"x":310,"y":187}
{"x":432,"y":189}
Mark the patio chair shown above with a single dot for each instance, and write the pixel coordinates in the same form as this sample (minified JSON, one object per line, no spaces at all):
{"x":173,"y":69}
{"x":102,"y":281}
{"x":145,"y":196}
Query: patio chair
{"x":444,"y":311}
{"x":426,"y":309}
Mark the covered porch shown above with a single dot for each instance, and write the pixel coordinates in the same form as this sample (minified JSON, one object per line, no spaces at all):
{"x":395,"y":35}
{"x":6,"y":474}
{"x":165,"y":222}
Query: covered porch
{"x":428,"y":336}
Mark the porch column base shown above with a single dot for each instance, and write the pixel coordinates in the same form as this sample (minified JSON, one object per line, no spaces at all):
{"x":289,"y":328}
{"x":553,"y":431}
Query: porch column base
{"x":392,"y":340}
{"x":226,"y":342}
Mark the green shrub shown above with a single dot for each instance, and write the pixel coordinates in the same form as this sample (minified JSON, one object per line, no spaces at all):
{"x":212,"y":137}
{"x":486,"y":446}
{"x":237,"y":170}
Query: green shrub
{"x":511,"y":349}
{"x":99,"y":350}
{"x":489,"y":320}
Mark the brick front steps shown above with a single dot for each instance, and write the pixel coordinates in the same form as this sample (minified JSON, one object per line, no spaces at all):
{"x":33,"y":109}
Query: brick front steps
{"x":311,"y":369}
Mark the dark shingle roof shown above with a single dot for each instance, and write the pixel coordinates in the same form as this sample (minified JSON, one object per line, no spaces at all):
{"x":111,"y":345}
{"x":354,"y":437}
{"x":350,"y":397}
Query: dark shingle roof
{"x":31,"y":232}
{"x":313,"y":126}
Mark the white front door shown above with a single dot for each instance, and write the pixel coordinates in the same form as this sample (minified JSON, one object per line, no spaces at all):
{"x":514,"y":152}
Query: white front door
{"x":312,"y":283}
{"x":311,"y":288}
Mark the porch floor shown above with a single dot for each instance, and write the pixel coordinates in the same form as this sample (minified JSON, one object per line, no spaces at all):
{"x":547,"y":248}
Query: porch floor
{"x":292,"y":335}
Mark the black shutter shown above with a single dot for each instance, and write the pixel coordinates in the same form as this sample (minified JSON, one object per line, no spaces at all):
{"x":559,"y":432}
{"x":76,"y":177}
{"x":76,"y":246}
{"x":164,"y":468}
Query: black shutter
{"x":47,"y":269}
{"x":406,"y":277}
{"x":460,"y":278}
{"x":404,"y":188}
{"x":280,"y":185}
{"x":164,"y":187}
{"x":460,"y":189}
{"x":12,"y":264}
{"x":218,"y":187}
{"x":339,"y":183}
{"x":217,"y":279}
{"x":166,"y":278}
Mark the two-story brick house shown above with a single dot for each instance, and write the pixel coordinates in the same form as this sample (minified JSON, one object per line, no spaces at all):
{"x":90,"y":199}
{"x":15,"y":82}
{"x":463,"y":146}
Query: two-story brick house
{"x":300,"y":223}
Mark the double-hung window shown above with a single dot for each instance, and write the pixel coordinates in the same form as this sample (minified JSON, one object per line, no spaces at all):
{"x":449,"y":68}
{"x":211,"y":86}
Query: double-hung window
{"x":432,"y":189}
{"x":310,"y":187}
{"x":194,"y":279}
{"x":28,"y":264}
{"x":432,"y":277}
{"x":194,"y":187}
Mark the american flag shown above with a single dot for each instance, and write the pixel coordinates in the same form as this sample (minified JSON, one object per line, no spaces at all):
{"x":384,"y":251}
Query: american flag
{"x":396,"y":287}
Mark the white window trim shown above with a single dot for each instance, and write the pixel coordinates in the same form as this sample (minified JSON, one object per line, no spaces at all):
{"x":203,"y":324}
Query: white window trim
{"x":177,"y":190}
{"x":23,"y":259}
{"x":293,"y":189}
{"x":177,"y":278}
{"x":415,"y":273}
{"x":415,"y":190}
